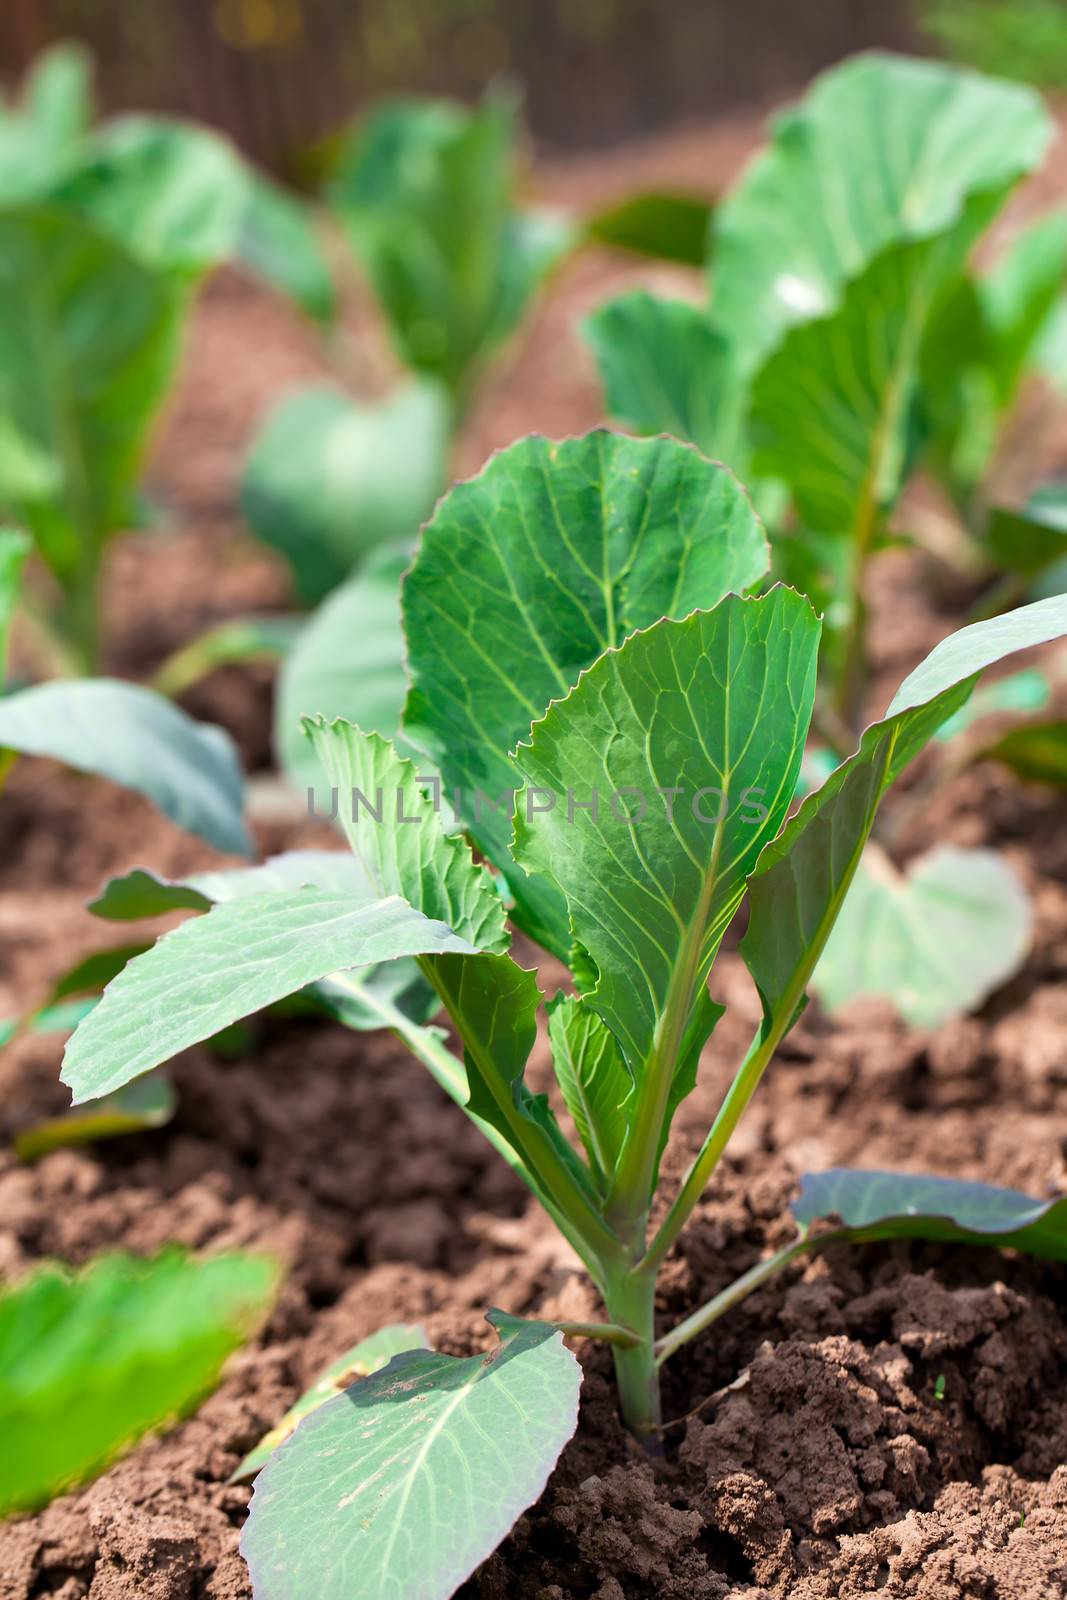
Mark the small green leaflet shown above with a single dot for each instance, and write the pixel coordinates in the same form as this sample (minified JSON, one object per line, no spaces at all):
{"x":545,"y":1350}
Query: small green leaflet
{"x":907,"y":1205}
{"x":525,"y":575}
{"x":665,"y":369}
{"x":936,"y":941}
{"x":243,"y":955}
{"x":126,"y":733}
{"x":802,"y":877}
{"x":329,"y":481}
{"x":362,"y":1361}
{"x":1037,"y":752}
{"x":662,"y":225}
{"x":404,"y":1484}
{"x":93,"y":1360}
{"x":696,"y":730}
{"x":146,"y":1103}
{"x":593,"y":1079}
{"x":883,"y":150}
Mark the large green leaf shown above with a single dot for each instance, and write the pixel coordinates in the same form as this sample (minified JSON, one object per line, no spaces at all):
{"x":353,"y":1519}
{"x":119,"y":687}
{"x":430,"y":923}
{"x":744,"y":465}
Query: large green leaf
{"x":91,"y":1361}
{"x":364,"y":1359}
{"x":525,"y":575}
{"x":348,"y":662}
{"x":243,"y":955}
{"x":171,"y":194}
{"x":665,"y":369}
{"x":831,"y":409}
{"x":935,"y":941}
{"x":425,"y":190}
{"x":328,"y":481}
{"x":126,"y":733}
{"x":88,"y":340}
{"x":909,"y":1205}
{"x":405,"y":1483}
{"x":695,"y":730}
{"x":801,"y":880}
{"x":883,"y":150}
{"x":278,"y":242}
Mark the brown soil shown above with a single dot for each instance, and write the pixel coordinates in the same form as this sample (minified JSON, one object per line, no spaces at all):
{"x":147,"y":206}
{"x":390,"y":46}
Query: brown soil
{"x":840,"y":1465}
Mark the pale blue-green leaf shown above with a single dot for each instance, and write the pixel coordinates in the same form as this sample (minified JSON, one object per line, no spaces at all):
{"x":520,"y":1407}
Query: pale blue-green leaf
{"x":348,"y":662}
{"x":883,"y":150}
{"x":329,"y":481}
{"x":278,"y":242}
{"x":936,"y":940}
{"x":370,"y":1355}
{"x":404,"y":1484}
{"x":666,"y":370}
{"x":525,"y":575}
{"x":170,"y":193}
{"x":910,"y":1205}
{"x":695,"y":730}
{"x":243,"y":955}
{"x":135,"y":738}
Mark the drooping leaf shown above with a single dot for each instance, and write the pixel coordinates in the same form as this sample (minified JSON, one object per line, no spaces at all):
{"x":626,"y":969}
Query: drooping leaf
{"x":909,"y":1205}
{"x":935,"y":941}
{"x":883,"y":150}
{"x":665,"y":226}
{"x":348,"y":662}
{"x":425,"y":190}
{"x":239,"y":639}
{"x":525,"y":574}
{"x":90,"y":1361}
{"x":407,"y":1481}
{"x":147,"y":1103}
{"x":801,"y":880}
{"x":243,"y":955}
{"x":694,"y":730}
{"x":362,"y":1361}
{"x":278,"y":243}
{"x":169,"y":193}
{"x":594,"y":1080}
{"x":14,"y":548}
{"x":1037,"y":751}
{"x":329,"y":481}
{"x":88,"y":341}
{"x":665,"y":369}
{"x":126,"y":733}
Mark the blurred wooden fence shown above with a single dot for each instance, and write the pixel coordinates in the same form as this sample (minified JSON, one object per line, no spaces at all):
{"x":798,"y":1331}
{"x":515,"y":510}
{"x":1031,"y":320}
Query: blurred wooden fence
{"x":279,"y":74}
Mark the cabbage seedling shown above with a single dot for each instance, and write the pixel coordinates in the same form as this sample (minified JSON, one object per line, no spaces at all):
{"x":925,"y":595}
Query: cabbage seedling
{"x":620,"y":727}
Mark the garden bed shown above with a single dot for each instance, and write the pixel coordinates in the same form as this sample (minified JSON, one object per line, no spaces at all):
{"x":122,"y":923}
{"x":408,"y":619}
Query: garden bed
{"x":901,"y":1410}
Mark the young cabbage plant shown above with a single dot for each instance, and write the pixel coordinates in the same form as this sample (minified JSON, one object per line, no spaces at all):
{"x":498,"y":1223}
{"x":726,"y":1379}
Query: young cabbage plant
{"x":847,"y":340}
{"x":120,"y":731}
{"x":619,"y":724}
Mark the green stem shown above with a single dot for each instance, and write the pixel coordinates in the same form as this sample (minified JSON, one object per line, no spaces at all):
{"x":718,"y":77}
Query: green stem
{"x":610,"y":1332}
{"x":631,"y":1301}
{"x":727,"y":1298}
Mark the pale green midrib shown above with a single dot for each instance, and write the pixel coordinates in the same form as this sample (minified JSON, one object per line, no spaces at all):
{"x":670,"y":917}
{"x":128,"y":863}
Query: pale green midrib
{"x":774,"y":1026}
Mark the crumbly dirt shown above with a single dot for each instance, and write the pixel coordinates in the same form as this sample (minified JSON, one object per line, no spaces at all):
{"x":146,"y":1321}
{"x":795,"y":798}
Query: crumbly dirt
{"x":900,"y":1423}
